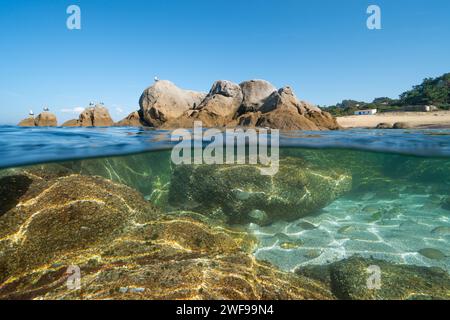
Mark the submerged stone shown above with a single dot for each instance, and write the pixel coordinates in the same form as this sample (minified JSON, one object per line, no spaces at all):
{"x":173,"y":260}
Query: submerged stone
{"x":297,"y":190}
{"x":139,"y":252}
{"x":350,"y":279}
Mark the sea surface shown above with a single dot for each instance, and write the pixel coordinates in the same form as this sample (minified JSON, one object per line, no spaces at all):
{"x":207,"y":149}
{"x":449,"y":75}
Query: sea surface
{"x":397,"y":208}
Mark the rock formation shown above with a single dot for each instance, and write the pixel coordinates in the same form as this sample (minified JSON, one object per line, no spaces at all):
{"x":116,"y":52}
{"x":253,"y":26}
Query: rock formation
{"x":97,"y":116}
{"x":134,"y":119}
{"x":44,"y":119}
{"x":239,"y":194}
{"x":28,"y":122}
{"x":164,"y":101}
{"x":71,"y":123}
{"x":348,"y":280}
{"x":124,"y":247}
{"x":252,"y":103}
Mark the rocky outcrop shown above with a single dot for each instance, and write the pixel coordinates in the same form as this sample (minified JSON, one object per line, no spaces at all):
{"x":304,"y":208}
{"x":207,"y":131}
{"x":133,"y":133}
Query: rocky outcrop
{"x":134,"y":119}
{"x":124,"y":247}
{"x":46,"y":119}
{"x":255,"y":93}
{"x":71,"y":123}
{"x":97,"y":116}
{"x":164,"y":101}
{"x":239,"y":194}
{"x":252,"y":103}
{"x":348,"y":279}
{"x":224,"y":99}
{"x":28,"y":122}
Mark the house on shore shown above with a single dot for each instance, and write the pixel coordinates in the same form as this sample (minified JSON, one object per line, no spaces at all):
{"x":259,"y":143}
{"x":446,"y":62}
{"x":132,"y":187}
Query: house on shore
{"x":368,"y":112}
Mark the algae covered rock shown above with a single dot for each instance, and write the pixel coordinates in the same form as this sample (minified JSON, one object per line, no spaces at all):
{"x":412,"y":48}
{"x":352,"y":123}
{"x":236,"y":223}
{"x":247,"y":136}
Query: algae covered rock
{"x":124,"y":248}
{"x":242,"y":194}
{"x":353,"y":279}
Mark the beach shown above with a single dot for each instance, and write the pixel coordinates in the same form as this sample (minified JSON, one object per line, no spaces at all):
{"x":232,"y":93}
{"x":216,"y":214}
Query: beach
{"x":423,"y":120}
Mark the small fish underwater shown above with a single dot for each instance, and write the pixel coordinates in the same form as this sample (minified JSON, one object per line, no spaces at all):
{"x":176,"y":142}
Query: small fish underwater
{"x":129,"y":224}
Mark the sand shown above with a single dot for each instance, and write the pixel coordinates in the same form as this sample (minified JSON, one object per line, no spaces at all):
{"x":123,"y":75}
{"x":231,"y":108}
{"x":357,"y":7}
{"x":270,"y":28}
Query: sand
{"x":438,"y":119}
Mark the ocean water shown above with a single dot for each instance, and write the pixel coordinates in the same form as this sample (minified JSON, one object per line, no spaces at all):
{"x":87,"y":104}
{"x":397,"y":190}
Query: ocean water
{"x":394,"y":205}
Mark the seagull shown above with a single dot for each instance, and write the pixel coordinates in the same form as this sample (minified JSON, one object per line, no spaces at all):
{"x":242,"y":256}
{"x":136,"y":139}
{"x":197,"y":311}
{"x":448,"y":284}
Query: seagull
{"x":156,"y":79}
{"x":46,"y":109}
{"x":31,"y":113}
{"x":91,"y":103}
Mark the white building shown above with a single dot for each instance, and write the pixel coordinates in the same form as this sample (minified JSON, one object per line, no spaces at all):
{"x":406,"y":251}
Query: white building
{"x":369,"y":112}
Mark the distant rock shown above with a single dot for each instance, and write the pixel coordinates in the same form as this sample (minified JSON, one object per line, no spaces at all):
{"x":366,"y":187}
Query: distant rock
{"x":164,"y":101}
{"x":134,"y":119}
{"x":46,"y":119}
{"x":384,"y":125}
{"x":401,"y":125}
{"x":71,"y":123}
{"x":97,"y":116}
{"x":28,"y":122}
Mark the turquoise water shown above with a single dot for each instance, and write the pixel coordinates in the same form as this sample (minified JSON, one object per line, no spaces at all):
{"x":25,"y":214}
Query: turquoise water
{"x":380,"y":194}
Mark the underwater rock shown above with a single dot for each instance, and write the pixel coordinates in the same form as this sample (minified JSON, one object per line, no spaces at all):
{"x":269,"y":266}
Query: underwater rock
{"x":126,"y":249}
{"x":348,"y":279}
{"x":235,"y":191}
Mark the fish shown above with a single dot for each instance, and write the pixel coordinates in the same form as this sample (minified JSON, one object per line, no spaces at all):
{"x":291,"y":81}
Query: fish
{"x":306,"y":225}
{"x":433,"y":254}
{"x":442,"y":230}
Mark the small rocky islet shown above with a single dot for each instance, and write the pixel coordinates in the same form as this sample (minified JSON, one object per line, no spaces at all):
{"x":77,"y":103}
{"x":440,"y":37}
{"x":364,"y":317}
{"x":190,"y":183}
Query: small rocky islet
{"x":155,"y":232}
{"x":253,"y":103}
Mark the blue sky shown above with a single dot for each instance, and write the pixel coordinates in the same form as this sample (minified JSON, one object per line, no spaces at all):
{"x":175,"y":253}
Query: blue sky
{"x":321,"y":48}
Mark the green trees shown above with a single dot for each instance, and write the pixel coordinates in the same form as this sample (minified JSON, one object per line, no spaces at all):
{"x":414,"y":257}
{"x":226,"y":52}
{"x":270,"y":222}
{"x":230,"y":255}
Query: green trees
{"x":432,"y":91}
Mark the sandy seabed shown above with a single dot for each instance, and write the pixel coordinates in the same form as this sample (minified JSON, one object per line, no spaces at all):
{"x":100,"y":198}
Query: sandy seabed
{"x":438,"y":119}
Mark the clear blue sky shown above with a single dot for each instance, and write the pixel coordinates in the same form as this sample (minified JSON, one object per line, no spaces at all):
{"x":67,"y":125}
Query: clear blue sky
{"x":321,"y":48}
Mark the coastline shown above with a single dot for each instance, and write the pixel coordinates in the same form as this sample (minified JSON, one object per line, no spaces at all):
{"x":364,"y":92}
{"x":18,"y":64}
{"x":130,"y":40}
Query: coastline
{"x":415,"y":120}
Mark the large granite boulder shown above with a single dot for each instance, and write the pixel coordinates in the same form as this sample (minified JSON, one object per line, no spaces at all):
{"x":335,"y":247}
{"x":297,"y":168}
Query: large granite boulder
{"x":97,"y":116}
{"x":224,"y":99}
{"x":282,"y":110}
{"x":45,"y":119}
{"x":350,"y":279}
{"x":255,"y":93}
{"x":164,"y":101}
{"x":240,"y":194}
{"x":28,"y":122}
{"x":124,"y":247}
{"x":255,"y":103}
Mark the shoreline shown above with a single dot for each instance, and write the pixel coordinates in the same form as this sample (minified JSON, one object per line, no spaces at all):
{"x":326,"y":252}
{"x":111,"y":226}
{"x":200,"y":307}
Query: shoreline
{"x":414,"y":120}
